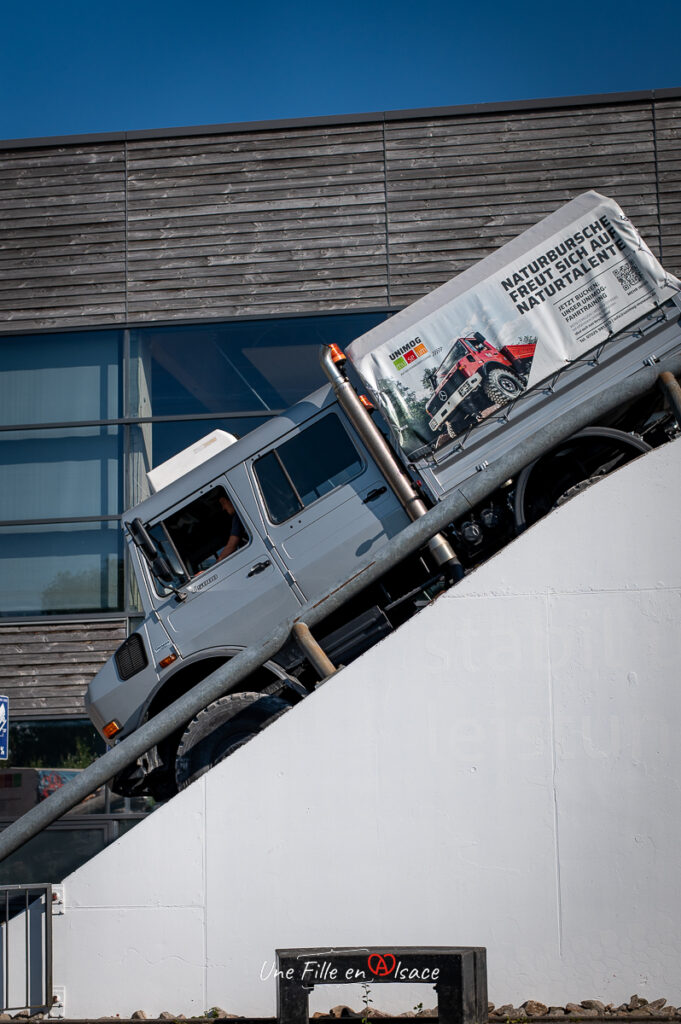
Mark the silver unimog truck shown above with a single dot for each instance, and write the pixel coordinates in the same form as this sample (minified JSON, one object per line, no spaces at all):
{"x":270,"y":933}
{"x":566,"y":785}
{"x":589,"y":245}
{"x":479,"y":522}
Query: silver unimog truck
{"x":241,"y":533}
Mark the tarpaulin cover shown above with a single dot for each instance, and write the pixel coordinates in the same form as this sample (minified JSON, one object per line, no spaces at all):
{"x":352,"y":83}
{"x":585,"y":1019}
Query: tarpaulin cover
{"x":544,"y":299}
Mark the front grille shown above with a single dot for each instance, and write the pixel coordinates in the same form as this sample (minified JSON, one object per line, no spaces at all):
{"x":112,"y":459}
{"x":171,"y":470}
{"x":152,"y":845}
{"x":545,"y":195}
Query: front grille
{"x":131,"y":656}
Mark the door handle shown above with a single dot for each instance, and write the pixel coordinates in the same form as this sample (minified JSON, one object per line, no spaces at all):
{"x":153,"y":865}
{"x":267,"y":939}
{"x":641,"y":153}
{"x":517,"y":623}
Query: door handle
{"x":259,"y":567}
{"x":372,"y":495}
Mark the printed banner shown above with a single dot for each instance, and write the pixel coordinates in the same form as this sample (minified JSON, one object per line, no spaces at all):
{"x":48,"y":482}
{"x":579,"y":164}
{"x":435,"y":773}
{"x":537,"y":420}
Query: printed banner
{"x":456,"y":356}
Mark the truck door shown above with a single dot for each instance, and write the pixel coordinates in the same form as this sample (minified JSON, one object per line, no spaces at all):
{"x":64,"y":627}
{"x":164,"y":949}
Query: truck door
{"x":325,"y":502}
{"x":231,"y":601}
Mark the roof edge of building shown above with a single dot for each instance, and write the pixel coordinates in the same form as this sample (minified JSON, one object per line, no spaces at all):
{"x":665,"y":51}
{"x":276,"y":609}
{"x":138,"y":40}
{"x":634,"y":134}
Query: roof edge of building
{"x":418,"y":113}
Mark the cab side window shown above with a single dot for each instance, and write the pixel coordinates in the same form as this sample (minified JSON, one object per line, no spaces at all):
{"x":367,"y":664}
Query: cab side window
{"x":201,"y":533}
{"x":306,"y":467}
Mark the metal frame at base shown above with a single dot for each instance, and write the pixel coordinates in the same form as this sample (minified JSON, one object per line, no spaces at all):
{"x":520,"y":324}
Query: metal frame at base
{"x":26,"y":899}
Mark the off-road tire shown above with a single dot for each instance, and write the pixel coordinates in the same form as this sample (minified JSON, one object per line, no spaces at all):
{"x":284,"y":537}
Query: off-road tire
{"x":220,"y":729}
{"x":502,"y":386}
{"x":456,"y":424}
{"x":540,"y":488}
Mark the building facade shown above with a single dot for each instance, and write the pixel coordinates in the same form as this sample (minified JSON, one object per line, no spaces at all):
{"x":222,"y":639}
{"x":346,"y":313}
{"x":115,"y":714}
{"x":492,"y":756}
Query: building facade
{"x":157,"y":285}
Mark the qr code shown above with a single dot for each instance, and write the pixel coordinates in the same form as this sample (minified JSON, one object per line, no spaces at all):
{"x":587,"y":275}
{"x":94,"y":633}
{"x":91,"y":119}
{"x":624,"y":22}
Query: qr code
{"x":628,"y":276}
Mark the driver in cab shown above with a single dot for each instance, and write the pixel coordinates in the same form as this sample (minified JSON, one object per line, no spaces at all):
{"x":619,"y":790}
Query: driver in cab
{"x":237,"y":534}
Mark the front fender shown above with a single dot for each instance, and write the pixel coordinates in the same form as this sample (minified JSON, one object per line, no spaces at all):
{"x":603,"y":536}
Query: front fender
{"x":171,"y":681}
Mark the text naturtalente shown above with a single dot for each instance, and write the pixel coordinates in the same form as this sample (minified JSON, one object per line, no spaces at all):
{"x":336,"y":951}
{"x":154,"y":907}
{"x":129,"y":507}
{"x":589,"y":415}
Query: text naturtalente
{"x":568,"y":261}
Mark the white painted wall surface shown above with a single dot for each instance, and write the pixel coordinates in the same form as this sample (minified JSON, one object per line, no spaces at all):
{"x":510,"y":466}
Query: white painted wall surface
{"x":504,"y":771}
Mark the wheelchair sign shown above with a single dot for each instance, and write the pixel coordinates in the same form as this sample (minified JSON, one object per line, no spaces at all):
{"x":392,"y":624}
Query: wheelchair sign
{"x":4,"y":728}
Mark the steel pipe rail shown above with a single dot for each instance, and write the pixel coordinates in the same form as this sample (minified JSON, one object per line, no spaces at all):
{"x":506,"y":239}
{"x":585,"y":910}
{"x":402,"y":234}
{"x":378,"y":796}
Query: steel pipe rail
{"x":414,"y":536}
{"x":319,"y":660}
{"x":671,"y":388}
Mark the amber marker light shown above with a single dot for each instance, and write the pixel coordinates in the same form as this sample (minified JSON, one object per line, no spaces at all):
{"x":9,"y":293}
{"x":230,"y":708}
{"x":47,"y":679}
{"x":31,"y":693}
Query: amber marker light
{"x":337,"y":354}
{"x":111,"y":729}
{"x":368,"y":405}
{"x":168,"y":661}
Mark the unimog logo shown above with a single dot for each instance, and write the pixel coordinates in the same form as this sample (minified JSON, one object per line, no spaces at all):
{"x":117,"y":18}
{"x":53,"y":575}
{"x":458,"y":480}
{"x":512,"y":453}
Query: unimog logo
{"x":409,"y":353}
{"x":204,"y":583}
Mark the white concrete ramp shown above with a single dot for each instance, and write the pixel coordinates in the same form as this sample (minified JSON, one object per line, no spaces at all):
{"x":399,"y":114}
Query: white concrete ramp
{"x":503,"y":771}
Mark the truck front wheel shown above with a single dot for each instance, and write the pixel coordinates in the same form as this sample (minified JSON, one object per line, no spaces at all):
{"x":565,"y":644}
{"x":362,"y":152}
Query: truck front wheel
{"x":501,"y":386}
{"x":220,"y":729}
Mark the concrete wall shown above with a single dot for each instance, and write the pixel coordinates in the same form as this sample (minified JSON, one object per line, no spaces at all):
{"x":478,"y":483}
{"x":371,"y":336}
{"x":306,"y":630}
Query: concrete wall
{"x":503,"y":772}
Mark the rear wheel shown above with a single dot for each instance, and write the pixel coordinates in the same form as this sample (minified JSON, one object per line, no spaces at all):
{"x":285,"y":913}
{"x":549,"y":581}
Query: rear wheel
{"x":220,"y":729}
{"x":502,"y":386}
{"x":558,"y":476}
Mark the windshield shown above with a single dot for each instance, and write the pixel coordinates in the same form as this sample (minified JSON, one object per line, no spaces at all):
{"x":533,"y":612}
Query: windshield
{"x":457,"y":352}
{"x":477,"y":342}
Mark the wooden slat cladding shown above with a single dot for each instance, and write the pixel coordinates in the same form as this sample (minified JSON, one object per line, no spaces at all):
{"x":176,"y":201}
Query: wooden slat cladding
{"x":62,"y":236}
{"x":45,"y":668}
{"x":269,"y":222}
{"x":293,"y":219}
{"x":668,"y":135}
{"x":460,"y":187}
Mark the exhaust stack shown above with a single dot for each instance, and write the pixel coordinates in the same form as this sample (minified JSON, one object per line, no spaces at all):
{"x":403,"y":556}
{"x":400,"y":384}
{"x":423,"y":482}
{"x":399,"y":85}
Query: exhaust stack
{"x":333,"y":362}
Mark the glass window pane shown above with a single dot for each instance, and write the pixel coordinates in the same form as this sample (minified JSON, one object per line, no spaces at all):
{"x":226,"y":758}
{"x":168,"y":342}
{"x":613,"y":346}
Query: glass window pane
{"x":169,"y":438}
{"x":256,"y":365}
{"x":321,"y":458}
{"x":280,"y":498}
{"x":200,"y":534}
{"x":45,"y":474}
{"x":151,"y":444}
{"x":55,"y":378}
{"x":316,"y":461}
{"x":65,"y":743}
{"x":76,"y":567}
{"x":53,"y":854}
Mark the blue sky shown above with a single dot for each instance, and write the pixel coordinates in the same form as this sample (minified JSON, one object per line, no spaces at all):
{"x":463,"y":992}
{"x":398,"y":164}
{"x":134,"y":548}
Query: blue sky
{"x":81,"y":66}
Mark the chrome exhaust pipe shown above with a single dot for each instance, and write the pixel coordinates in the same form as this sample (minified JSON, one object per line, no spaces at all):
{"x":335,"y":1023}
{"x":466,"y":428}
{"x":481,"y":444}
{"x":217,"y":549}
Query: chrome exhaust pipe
{"x":333,"y":361}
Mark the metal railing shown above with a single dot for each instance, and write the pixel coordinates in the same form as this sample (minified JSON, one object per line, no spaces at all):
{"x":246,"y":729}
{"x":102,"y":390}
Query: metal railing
{"x":26,"y":947}
{"x":460,"y":500}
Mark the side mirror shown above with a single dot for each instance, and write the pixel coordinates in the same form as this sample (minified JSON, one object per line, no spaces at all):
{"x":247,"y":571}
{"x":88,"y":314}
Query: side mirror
{"x":161,"y":570}
{"x":143,"y":540}
{"x":158,"y":563}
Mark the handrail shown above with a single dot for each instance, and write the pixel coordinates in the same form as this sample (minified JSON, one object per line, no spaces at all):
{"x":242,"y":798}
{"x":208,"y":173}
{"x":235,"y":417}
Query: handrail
{"x":410,"y":539}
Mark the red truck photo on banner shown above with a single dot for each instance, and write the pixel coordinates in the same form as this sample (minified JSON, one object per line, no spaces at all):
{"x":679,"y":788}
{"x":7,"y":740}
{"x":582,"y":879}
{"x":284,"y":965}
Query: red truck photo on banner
{"x":456,"y":356}
{"x":475,"y":377}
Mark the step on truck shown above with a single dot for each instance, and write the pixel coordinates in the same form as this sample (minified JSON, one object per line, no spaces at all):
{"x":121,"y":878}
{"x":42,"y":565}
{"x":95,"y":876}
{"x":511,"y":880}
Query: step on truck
{"x":238,"y":534}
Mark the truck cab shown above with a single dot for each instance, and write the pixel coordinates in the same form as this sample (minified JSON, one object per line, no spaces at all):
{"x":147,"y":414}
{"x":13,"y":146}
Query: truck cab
{"x":311,"y":503}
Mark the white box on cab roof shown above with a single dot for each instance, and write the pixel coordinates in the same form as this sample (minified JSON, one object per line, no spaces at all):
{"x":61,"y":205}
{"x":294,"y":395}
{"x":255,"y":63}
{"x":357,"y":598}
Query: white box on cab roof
{"x":175,"y":467}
